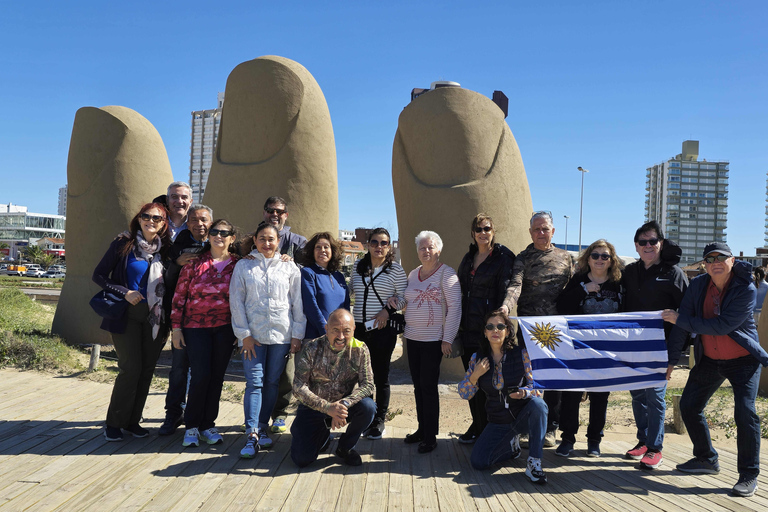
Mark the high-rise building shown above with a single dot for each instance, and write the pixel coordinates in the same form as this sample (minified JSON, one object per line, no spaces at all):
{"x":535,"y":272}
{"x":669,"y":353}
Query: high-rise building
{"x":63,"y":201}
{"x":689,"y":199}
{"x":205,"y":133}
{"x":766,"y":211}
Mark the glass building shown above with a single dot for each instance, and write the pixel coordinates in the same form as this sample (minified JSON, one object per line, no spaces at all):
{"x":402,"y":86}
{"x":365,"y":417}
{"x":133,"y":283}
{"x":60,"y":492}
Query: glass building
{"x":205,"y":133}
{"x":20,"y":228}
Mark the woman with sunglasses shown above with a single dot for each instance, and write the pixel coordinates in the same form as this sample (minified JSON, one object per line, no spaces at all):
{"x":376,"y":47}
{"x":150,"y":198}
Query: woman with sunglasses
{"x":501,"y":369}
{"x":269,"y":323}
{"x":595,"y":289}
{"x":484,"y":275}
{"x":133,"y":268}
{"x":376,"y":279}
{"x":202,"y":323}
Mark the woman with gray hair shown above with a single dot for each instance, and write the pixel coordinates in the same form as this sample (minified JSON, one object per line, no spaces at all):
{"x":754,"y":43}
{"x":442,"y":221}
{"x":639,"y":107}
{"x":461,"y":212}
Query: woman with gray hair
{"x":432,"y":316}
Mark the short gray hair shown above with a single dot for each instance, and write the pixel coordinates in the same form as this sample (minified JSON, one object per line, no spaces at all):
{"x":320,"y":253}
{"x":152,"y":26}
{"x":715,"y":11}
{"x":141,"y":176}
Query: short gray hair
{"x":177,"y":184}
{"x":542,"y":215}
{"x":196,"y":207}
{"x":430,"y":235}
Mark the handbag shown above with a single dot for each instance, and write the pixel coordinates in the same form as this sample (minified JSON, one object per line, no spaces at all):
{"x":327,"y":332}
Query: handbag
{"x":108,"y":305}
{"x":396,"y":322}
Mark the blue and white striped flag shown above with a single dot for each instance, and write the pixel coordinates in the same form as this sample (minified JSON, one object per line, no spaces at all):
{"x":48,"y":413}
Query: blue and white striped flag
{"x":615,"y":352}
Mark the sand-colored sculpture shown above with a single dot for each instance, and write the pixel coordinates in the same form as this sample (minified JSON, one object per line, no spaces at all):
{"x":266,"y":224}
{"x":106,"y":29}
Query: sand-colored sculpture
{"x":453,"y":157}
{"x":762,"y":333}
{"x":275,"y":138}
{"x":117,"y":162}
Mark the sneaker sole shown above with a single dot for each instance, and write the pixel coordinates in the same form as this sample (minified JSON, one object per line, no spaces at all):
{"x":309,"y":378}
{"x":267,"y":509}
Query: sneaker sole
{"x":562,"y":454}
{"x":699,"y":471}
{"x":213,"y":441}
{"x":744,"y":494}
{"x":643,"y":465}
{"x":369,"y":436}
{"x":247,"y":456}
{"x":470,"y":441}
{"x":535,"y":480}
{"x":633,"y":457}
{"x":186,"y":445}
{"x":278,"y":430}
{"x":593,"y":454}
{"x":112,"y":439}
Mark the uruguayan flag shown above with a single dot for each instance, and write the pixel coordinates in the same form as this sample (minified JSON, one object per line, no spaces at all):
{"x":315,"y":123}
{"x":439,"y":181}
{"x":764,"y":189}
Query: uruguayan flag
{"x":615,"y":352}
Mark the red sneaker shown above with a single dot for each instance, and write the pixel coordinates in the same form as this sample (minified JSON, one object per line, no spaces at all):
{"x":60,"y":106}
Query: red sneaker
{"x":637,"y":452}
{"x":651,"y":460}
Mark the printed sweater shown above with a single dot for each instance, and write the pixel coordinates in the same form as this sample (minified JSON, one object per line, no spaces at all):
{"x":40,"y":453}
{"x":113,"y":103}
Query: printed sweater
{"x":324,"y":376}
{"x":424,"y":299}
{"x":202,"y":294}
{"x":538,"y":277}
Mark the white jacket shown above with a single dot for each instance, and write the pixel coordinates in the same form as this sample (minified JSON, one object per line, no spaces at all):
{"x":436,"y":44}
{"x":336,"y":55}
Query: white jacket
{"x":265,"y":300}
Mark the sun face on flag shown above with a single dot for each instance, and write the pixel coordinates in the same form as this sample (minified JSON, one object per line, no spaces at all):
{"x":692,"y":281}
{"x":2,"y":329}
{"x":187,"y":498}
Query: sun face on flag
{"x":546,"y":335}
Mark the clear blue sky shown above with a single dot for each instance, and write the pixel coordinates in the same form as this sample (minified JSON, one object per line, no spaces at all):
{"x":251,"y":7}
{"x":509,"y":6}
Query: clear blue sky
{"x":611,"y":86}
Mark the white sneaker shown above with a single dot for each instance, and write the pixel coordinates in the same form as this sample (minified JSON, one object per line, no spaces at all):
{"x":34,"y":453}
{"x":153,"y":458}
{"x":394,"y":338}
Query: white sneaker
{"x":191,"y":438}
{"x":211,"y":436}
{"x":534,"y":472}
{"x":251,"y":446}
{"x":264,"y":440}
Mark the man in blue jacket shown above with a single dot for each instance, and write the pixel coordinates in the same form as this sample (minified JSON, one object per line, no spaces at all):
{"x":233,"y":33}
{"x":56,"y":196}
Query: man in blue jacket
{"x":717,"y":309}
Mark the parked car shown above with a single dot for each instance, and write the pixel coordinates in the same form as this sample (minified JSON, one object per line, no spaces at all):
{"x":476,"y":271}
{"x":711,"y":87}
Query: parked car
{"x":34,"y":270}
{"x":3,"y":269}
{"x":53,"y":274}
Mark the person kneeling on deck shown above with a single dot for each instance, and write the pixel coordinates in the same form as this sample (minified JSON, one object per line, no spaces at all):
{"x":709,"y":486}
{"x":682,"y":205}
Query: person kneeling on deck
{"x":500,"y":368}
{"x":327,"y":372}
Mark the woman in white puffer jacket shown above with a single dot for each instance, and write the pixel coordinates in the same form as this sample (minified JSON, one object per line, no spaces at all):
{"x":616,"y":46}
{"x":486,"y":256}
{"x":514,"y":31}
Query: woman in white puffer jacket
{"x":268,"y":320}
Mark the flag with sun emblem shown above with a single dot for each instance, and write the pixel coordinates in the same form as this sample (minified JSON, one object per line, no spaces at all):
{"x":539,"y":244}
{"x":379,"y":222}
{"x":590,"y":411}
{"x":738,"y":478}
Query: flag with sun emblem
{"x":616,"y":352}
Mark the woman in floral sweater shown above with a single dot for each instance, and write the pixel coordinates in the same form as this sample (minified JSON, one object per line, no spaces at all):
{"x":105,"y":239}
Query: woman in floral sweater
{"x":202,"y":323}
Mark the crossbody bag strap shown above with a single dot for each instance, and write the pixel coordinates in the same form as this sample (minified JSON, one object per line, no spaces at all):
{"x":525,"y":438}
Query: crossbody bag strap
{"x":365,"y":293}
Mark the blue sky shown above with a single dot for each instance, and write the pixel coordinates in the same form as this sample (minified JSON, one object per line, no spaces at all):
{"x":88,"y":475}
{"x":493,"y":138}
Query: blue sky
{"x":611,"y":86}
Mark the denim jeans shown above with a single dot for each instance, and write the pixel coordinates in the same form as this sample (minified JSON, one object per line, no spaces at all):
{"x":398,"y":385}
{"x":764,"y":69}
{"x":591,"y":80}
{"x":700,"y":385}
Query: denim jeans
{"x":177,"y":382}
{"x":209,"y":350}
{"x":569,"y":414}
{"x":381,"y":343}
{"x":493,"y":445}
{"x":310,"y":433}
{"x":705,"y":378}
{"x":649,"y":408}
{"x":424,"y":358}
{"x":262,"y":374}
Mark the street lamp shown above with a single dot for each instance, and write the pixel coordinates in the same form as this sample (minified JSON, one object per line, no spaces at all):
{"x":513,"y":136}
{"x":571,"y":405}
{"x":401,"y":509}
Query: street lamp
{"x":581,"y":207}
{"x":566,"y":231}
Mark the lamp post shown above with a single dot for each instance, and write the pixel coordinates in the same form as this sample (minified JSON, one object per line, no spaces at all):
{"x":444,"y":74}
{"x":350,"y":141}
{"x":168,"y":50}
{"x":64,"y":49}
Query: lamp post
{"x":566,"y":231}
{"x":581,"y":206}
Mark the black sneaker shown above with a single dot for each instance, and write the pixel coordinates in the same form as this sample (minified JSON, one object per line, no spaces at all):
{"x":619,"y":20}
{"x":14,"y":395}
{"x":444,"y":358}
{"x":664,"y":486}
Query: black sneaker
{"x":113,"y":434}
{"x":137,"y":430}
{"x":468,"y":437}
{"x":351,"y":457}
{"x":699,"y":466}
{"x":593,"y":448}
{"x":427,"y":445}
{"x":745,"y":487}
{"x":170,"y":425}
{"x":414,"y":438}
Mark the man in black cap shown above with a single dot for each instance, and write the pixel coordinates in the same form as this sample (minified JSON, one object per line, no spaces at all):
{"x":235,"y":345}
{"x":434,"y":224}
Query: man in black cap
{"x":717,"y":310}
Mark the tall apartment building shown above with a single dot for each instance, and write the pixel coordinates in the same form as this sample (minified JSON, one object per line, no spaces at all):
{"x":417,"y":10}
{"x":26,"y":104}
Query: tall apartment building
{"x":766,"y":212}
{"x":63,"y":201}
{"x":689,"y":199}
{"x":205,"y":133}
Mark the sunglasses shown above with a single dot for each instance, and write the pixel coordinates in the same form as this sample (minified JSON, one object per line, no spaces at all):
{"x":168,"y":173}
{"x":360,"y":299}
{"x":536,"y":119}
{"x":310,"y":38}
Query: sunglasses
{"x":376,"y":243}
{"x":495,"y":327}
{"x":223,"y":233}
{"x":652,"y":241}
{"x":272,"y":211}
{"x":598,"y":256}
{"x":720,"y":258}
{"x":486,"y":229}
{"x":153,"y":218}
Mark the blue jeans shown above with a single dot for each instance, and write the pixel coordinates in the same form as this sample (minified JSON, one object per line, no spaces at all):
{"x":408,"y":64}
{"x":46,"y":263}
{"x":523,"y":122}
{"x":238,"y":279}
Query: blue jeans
{"x":649,"y":407}
{"x":209,"y":350}
{"x":493,"y":445}
{"x":262,"y":374}
{"x":309,"y":430}
{"x":705,"y":378}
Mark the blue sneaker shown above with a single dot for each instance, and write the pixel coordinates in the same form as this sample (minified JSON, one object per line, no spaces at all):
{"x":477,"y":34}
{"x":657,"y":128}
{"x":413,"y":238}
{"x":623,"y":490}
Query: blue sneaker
{"x":278,"y":425}
{"x":191,"y":437}
{"x":211,"y":436}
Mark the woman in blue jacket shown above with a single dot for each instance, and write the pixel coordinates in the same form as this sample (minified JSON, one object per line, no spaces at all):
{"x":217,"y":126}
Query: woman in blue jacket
{"x":323,"y":288}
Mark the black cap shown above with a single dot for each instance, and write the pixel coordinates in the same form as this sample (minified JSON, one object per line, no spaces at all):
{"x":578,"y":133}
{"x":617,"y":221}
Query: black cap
{"x":720,"y":247}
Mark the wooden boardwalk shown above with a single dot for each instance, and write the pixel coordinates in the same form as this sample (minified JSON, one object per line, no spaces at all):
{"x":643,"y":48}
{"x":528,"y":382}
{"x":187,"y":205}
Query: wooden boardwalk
{"x":53,"y":456}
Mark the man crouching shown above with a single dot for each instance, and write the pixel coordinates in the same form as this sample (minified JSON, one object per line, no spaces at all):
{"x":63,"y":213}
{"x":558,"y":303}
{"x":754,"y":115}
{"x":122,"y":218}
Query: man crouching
{"x":327,"y":370}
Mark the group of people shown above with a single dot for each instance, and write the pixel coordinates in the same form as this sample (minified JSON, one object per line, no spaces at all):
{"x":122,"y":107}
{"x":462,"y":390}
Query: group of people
{"x":280,"y":297}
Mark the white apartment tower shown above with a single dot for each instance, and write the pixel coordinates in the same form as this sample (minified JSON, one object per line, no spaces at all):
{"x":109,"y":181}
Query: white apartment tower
{"x":63,"y":201}
{"x":689,"y":199}
{"x":205,"y":133}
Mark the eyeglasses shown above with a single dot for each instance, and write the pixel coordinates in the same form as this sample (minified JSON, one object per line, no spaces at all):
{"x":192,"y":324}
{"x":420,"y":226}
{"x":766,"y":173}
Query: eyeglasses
{"x":720,"y":258}
{"x":599,"y":256}
{"x":486,"y":229}
{"x":652,"y":241}
{"x":272,"y":211}
{"x":376,"y":243}
{"x":223,"y":233}
{"x":495,"y":327}
{"x":153,"y":218}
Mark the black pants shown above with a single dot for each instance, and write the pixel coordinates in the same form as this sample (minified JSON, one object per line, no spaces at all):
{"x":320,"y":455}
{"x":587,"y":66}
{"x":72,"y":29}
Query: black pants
{"x":477,"y":402}
{"x":424,"y":358}
{"x":569,"y":414}
{"x":177,"y":383}
{"x":137,"y":354}
{"x":381,"y":344}
{"x":552,"y":399}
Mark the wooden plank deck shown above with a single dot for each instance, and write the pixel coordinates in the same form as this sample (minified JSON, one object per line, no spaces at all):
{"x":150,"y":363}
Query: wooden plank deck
{"x":53,"y":456}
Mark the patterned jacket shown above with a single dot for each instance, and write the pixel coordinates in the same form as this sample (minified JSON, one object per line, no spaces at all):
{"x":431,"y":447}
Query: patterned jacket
{"x":202,"y":294}
{"x":538,"y":277}
{"x":324,"y":376}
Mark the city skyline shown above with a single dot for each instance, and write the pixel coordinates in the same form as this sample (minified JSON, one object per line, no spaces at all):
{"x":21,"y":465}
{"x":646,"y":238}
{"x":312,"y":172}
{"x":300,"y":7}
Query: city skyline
{"x":611,"y":88}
